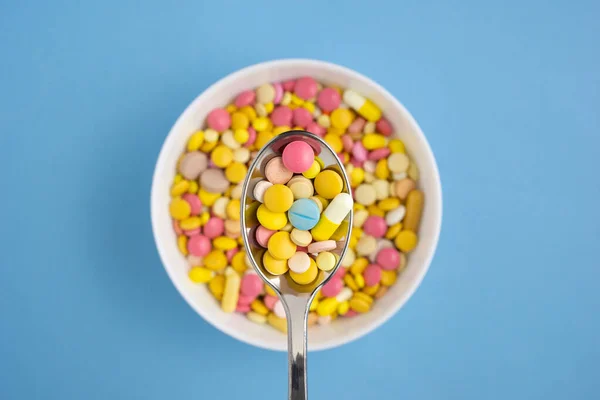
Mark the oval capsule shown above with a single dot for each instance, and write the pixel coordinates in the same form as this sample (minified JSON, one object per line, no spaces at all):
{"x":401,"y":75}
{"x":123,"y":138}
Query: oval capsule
{"x":332,"y":217}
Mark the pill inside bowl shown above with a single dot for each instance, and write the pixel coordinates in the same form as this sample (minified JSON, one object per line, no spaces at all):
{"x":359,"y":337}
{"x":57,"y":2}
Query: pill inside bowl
{"x":206,"y":190}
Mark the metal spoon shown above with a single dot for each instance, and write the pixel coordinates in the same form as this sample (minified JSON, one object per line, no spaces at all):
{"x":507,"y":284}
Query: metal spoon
{"x":295,"y":298}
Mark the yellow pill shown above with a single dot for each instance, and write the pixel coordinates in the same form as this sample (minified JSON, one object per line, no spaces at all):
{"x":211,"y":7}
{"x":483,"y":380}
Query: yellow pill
{"x":274,"y":266}
{"x":241,"y":135}
{"x":259,"y":307}
{"x":180,"y":188}
{"x":341,"y":118}
{"x":200,"y":275}
{"x":326,"y":261}
{"x":231,"y":108}
{"x":388,"y":278}
{"x":359,"y":280}
{"x":341,"y":231}
{"x":271,"y":220}
{"x":256,"y":317}
{"x":306,"y":277}
{"x":393,"y":231}
{"x":263,"y":138}
{"x":178,"y":178}
{"x":190,"y":223}
{"x":314,"y":304}
{"x":278,"y":130}
{"x":309,"y":106}
{"x":324,"y":202}
{"x":207,"y":147}
{"x":249,"y":111}
{"x":193,"y":189}
{"x":280,"y":246}
{"x":261,"y":124}
{"x":221,"y":156}
{"x":414,"y":208}
{"x":195,"y":141}
{"x":235,"y":172}
{"x":297,"y":101}
{"x":413,"y":171}
{"x":179,"y":209}
{"x":278,"y":323}
{"x":278,"y":198}
{"x":269,"y":107}
{"x":335,"y":131}
{"x":327,"y":306}
{"x":215,"y":260}
{"x":382,"y":170}
{"x":231,"y":293}
{"x":182,"y":244}
{"x":406,"y":241}
{"x":357,"y":176}
{"x":361,"y":302}
{"x":233,"y":210}
{"x":217,"y":286}
{"x":204,"y":217}
{"x":374,"y":210}
{"x":328,"y":184}
{"x":207,"y":198}
{"x":359,"y":266}
{"x":396,"y":146}
{"x":239,"y":120}
{"x":334,"y":141}
{"x":312,"y":172}
{"x":349,"y":281}
{"x":238,"y":262}
{"x":224,"y":243}
{"x":373,"y":141}
{"x":371,"y":290}
{"x":389,"y":204}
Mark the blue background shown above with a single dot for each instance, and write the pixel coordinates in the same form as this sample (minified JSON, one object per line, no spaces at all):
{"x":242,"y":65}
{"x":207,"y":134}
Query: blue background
{"x":508,"y":94}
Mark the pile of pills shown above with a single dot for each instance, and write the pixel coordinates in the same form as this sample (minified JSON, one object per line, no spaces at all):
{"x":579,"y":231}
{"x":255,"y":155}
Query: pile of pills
{"x":206,"y":191}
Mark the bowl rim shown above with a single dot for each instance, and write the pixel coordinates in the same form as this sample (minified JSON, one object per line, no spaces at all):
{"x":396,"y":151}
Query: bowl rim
{"x":300,"y":63}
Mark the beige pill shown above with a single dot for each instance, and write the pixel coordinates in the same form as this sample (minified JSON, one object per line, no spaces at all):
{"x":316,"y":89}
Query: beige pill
{"x":344,"y":295}
{"x":319,"y":204}
{"x":193,"y":164}
{"x":402,"y":263}
{"x":365,"y":194}
{"x":324,"y":121}
{"x":301,"y":238}
{"x":261,"y":110}
{"x":228,"y":140}
{"x":382,"y":189}
{"x":414,"y":208}
{"x":220,"y":207}
{"x":398,"y":176}
{"x":287,"y":227}
{"x":360,"y":217}
{"x":369,"y":177}
{"x":398,"y":162}
{"x":413,"y":171}
{"x":349,"y":258}
{"x":231,"y":292}
{"x":369,"y":166}
{"x":366,"y":245}
{"x":381,"y":292}
{"x":232,"y":228}
{"x":276,"y":172}
{"x":301,"y":187}
{"x":213,"y":180}
{"x":241,"y":155}
{"x":286,"y":99}
{"x":317,"y":112}
{"x":236,"y":192}
{"x":265,"y":93}
{"x":256,"y":317}
{"x":369,"y":127}
{"x":259,"y":190}
{"x":394,"y":216}
{"x":211,"y":136}
{"x":299,"y":262}
{"x":403,"y":187}
{"x":194,"y":261}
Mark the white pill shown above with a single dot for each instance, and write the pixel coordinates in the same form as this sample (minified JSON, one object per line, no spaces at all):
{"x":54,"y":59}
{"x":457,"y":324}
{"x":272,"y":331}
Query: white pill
{"x":366,"y":245}
{"x":299,"y":262}
{"x":344,"y":295}
{"x":236,"y":192}
{"x":278,"y":309}
{"x":229,"y":140}
{"x":349,"y":258}
{"x":260,"y":189}
{"x":241,"y":155}
{"x":382,"y":189}
{"x":359,"y":218}
{"x":353,"y":99}
{"x":339,"y":207}
{"x":369,"y":166}
{"x":220,"y":206}
{"x":396,"y":215}
{"x":398,"y":162}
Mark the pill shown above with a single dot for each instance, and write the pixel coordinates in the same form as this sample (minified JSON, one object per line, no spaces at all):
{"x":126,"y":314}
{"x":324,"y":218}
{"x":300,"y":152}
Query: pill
{"x":298,"y":156}
{"x":301,"y":187}
{"x":273,"y":265}
{"x":213,"y":180}
{"x":324,"y":245}
{"x":381,"y":244}
{"x":395,"y":216}
{"x":414,"y":208}
{"x":281,"y":246}
{"x":382,"y":189}
{"x":278,"y":198}
{"x":375,"y":226}
{"x":193,"y":164}
{"x":300,"y":237}
{"x":328,"y":184}
{"x":333,"y":287}
{"x":406,"y":241}
{"x":366,"y":108}
{"x":306,"y":277}
{"x":365,"y":194}
{"x":231,"y":291}
{"x":325,"y":261}
{"x":218,"y":119}
{"x":299,"y":262}
{"x":332,"y":217}
{"x":276,"y":172}
{"x":271,"y":220}
{"x":388,"y":258}
{"x":366,"y":245}
{"x":259,"y":190}
{"x":304,"y":214}
{"x":398,"y":162}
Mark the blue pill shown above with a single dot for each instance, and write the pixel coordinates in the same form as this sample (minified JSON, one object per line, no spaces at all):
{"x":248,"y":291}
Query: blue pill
{"x":304,"y":214}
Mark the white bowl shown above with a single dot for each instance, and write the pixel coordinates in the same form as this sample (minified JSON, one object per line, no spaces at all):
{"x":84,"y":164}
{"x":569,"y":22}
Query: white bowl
{"x":342,"y":330}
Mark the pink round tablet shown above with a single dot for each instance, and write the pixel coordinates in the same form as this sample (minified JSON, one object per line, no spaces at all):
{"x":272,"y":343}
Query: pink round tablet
{"x":251,"y":137}
{"x":347,"y":142}
{"x":176,"y":228}
{"x":282,"y":116}
{"x":384,"y":127}
{"x":251,"y":285}
{"x":278,"y":93}
{"x":302,"y":117}
{"x":375,"y":226}
{"x":219,"y":120}
{"x":315,"y":128}
{"x":245,"y":98}
{"x":263,"y":235}
{"x":214,"y":227}
{"x":245,"y":300}
{"x":231,"y":252}
{"x":192,"y":232}
{"x":372,"y":274}
{"x":329,"y":99}
{"x":359,"y":152}
{"x":288,"y":86}
{"x":298,"y":156}
{"x":333,"y":287}
{"x":194,"y":202}
{"x":306,"y":88}
{"x":243,"y":308}
{"x":388,"y":258}
{"x":357,"y":125}
{"x":199,"y":245}
{"x":270,"y":301}
{"x":379,"y":154}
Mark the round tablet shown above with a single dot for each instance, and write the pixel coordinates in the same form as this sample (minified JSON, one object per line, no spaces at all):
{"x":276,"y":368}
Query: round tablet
{"x":259,"y":190}
{"x":298,"y":156}
{"x":276,"y":171}
{"x":213,"y":180}
{"x":193,"y":164}
{"x":306,"y":277}
{"x":328,"y":184}
{"x":300,"y":237}
{"x":263,"y":235}
{"x":273,"y":265}
{"x":278,"y":198}
{"x":301,"y":187}
{"x":281,"y":246}
{"x":269,"y":219}
{"x":304,"y":214}
{"x":299,"y":262}
{"x":326,"y":261}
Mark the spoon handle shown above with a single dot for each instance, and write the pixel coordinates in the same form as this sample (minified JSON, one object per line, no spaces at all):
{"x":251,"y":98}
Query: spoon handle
{"x":297,"y":313}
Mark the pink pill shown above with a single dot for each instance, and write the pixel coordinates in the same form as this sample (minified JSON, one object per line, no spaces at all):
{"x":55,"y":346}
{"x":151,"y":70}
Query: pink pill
{"x":302,"y":117}
{"x":378,"y":154}
{"x":251,"y":137}
{"x":192,"y":232}
{"x":375,"y":226}
{"x":270,"y":301}
{"x":384,"y":127}
{"x":282,"y":116}
{"x":194,"y":202}
{"x":176,"y":228}
{"x":251,"y":285}
{"x":356,"y":162}
{"x":214,"y":227}
{"x":298,"y":156}
{"x":332,"y":288}
{"x":372,"y":274}
{"x":359,"y":152}
{"x":199,"y":245}
{"x":329,"y":99}
{"x":263,"y":235}
{"x":350,"y":314}
{"x":306,"y":88}
{"x":245,"y":300}
{"x":340,"y":273}
{"x":245,"y":98}
{"x":315,"y":128}
{"x":219,"y":120}
{"x":357,"y":125}
{"x":288,"y":86}
{"x":243,"y":308}
{"x":278,"y":93}
{"x":230,"y":253}
{"x":347,"y":142}
{"x":324,"y":245}
{"x":388,"y":258}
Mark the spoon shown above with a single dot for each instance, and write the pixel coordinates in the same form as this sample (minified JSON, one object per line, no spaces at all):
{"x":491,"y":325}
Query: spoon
{"x":295,"y":298}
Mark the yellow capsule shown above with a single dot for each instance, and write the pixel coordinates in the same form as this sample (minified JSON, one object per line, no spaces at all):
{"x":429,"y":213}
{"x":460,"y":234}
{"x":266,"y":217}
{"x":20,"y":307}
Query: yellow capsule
{"x":389,"y":204}
{"x":381,"y":169}
{"x":180,"y":188}
{"x":231,"y":293}
{"x":359,"y":280}
{"x":374,"y":210}
{"x":224,"y":243}
{"x":343,"y":308}
{"x":238,"y":262}
{"x":373,"y":141}
{"x":217,"y":286}
{"x":200,"y":275}
{"x":396,"y":146}
{"x":359,"y":266}
{"x":182,"y":244}
{"x":349,"y":281}
{"x":341,"y":231}
{"x":193,"y":187}
{"x":393,"y":231}
{"x":278,"y":323}
{"x":195,"y":141}
{"x":190,"y":223}
{"x":259,"y":307}
{"x":414,"y":208}
{"x":327,"y":306}
{"x":388,"y":278}
{"x":249,"y":111}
